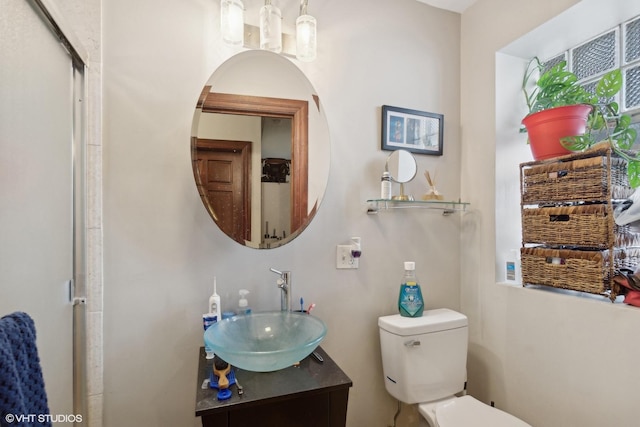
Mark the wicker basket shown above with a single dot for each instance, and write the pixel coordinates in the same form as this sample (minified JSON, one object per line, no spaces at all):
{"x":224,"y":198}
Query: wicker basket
{"x":594,"y":175}
{"x":567,"y":213}
{"x":578,"y":270}
{"x":588,"y":226}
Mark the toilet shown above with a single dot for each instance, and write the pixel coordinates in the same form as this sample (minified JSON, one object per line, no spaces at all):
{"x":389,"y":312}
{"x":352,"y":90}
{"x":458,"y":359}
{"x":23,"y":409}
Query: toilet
{"x":424,"y":361}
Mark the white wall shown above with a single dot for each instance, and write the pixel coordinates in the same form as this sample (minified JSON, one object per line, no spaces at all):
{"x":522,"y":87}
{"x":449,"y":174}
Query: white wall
{"x":549,"y":358}
{"x":162,"y":249}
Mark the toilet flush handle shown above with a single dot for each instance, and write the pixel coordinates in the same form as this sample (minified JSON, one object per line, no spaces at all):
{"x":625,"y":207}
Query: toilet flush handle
{"x":412,"y":343}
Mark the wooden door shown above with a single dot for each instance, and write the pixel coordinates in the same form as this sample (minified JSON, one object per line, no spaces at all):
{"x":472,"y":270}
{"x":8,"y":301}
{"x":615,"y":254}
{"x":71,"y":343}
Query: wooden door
{"x":224,"y":183}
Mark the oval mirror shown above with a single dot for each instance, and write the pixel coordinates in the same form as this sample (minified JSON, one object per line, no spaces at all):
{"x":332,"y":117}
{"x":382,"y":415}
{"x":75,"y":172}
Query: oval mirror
{"x":260,"y":149}
{"x":402,"y":166}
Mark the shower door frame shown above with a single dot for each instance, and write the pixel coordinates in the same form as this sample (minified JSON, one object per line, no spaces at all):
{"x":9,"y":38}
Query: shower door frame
{"x":77,"y":286}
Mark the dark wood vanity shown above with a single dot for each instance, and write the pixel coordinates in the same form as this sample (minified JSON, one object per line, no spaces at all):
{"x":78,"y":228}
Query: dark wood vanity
{"x":312,"y":394}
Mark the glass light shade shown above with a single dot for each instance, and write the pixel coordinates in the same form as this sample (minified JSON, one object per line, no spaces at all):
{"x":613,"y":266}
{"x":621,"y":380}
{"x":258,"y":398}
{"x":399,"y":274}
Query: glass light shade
{"x":306,"y":38}
{"x":270,"y":28}
{"x":232,"y":21}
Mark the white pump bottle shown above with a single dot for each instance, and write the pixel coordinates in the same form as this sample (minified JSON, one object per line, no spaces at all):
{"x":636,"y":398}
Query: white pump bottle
{"x":243,"y":304}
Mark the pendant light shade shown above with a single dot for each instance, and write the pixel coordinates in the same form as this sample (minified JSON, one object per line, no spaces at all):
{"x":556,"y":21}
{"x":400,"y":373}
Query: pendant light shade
{"x":269,"y":36}
{"x":232,"y":21}
{"x":270,"y":28}
{"x":306,"y":38}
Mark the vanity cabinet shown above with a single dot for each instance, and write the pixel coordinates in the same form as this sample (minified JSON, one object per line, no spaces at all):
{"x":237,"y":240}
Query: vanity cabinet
{"x":312,"y":394}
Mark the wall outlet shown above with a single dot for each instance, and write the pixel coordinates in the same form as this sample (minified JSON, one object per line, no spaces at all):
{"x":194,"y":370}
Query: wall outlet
{"x":344,"y":258}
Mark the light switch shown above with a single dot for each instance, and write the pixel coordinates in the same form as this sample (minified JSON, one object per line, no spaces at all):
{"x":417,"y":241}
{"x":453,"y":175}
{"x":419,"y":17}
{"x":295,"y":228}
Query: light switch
{"x":344,"y":259}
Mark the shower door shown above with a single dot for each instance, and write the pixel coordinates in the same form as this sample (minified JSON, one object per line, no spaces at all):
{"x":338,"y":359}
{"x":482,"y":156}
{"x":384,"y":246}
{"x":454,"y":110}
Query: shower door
{"x":39,"y":84}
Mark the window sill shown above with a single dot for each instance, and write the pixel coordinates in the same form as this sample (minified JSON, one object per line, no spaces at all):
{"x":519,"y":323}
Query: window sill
{"x":582,"y":295}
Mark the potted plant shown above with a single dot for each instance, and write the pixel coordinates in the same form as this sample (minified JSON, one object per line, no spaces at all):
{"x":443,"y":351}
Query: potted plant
{"x":564,"y":117}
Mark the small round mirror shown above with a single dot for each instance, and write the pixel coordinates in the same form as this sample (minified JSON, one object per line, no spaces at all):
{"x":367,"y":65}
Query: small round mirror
{"x":402,"y":166}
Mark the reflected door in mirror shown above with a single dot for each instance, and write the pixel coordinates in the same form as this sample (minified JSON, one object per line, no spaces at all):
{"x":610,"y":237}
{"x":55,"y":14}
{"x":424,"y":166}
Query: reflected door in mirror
{"x":224,"y":184}
{"x":220,"y":111}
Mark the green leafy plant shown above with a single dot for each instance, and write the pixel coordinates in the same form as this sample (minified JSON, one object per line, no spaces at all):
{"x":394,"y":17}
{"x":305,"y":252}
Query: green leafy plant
{"x":557,"y":87}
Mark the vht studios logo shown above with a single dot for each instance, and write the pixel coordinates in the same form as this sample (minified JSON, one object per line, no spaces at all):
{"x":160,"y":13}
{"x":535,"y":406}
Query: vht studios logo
{"x":42,"y":418}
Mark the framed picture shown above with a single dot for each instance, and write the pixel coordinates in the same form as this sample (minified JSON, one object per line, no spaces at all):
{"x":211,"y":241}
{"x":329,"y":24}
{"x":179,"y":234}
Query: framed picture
{"x":415,"y":131}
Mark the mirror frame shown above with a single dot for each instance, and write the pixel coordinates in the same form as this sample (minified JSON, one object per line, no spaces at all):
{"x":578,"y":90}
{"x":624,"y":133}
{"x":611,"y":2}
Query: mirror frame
{"x":298,"y":112}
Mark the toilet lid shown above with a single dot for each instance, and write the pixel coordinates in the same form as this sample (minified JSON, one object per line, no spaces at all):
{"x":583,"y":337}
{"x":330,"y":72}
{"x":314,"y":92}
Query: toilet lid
{"x":467,"y":411}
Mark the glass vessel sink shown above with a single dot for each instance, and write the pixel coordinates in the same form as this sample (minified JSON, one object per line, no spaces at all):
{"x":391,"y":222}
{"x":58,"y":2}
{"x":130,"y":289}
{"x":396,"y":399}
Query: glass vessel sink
{"x":265,"y":342}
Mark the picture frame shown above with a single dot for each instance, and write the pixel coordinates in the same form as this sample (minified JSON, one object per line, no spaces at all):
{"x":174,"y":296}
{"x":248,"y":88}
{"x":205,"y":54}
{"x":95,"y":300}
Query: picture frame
{"x":416,"y":131}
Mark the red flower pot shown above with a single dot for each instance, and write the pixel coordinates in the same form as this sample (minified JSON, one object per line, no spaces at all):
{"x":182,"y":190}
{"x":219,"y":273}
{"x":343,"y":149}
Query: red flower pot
{"x":545,"y":128}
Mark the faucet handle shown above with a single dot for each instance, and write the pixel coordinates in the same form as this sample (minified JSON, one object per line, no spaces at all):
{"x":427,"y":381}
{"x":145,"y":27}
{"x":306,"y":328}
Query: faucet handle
{"x":276,"y":271}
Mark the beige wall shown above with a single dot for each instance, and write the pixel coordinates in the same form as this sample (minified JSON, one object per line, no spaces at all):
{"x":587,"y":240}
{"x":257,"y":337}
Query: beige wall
{"x":551,"y":359}
{"x":162,"y":249}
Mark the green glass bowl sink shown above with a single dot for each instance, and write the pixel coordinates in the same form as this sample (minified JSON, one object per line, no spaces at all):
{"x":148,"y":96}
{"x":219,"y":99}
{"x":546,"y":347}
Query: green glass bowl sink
{"x":265,"y":342}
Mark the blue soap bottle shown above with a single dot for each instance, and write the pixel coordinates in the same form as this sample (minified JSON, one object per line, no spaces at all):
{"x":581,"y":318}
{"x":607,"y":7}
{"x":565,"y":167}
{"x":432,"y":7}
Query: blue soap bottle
{"x":410,"y":302}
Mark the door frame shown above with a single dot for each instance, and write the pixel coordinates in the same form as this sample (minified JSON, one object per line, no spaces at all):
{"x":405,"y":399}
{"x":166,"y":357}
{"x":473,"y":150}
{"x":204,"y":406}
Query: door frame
{"x":294,"y":109}
{"x":78,"y":287}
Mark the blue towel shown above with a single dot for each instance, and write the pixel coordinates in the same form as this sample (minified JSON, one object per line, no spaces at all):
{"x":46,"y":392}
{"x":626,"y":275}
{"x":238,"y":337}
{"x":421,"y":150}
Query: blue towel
{"x":22,"y":393}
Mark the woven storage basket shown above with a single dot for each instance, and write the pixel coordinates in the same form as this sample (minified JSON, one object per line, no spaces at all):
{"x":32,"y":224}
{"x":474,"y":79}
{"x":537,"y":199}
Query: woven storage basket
{"x":588,"y":226}
{"x":594,"y":175}
{"x":578,"y":270}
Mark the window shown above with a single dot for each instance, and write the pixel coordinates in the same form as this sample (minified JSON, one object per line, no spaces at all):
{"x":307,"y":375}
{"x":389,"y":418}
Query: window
{"x":616,"y":48}
{"x":595,"y":37}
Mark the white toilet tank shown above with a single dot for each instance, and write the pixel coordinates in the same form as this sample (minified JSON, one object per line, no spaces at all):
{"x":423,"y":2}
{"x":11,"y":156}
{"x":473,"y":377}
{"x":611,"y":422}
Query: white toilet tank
{"x":424,"y":358}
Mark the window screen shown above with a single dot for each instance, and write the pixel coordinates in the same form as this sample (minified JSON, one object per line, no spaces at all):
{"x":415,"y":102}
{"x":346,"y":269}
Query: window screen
{"x":632,"y":92}
{"x":595,"y":57}
{"x":617,"y":48}
{"x":632,"y":41}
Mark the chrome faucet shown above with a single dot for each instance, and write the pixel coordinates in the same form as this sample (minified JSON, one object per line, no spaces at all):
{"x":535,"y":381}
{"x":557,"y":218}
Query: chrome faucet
{"x":284,"y":283}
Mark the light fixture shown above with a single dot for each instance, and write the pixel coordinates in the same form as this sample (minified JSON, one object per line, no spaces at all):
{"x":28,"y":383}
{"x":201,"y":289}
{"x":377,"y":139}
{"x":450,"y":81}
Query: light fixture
{"x":269,"y":35}
{"x":305,"y":34}
{"x":232,"y":21}
{"x":270,"y":27}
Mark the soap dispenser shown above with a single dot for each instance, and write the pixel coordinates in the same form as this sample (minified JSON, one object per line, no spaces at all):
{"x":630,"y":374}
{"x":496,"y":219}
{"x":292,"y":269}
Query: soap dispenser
{"x":410,"y":302}
{"x":243,"y":304}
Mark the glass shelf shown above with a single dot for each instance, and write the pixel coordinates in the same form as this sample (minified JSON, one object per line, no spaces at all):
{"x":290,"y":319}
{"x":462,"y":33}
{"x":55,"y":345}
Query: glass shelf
{"x":447,"y":207}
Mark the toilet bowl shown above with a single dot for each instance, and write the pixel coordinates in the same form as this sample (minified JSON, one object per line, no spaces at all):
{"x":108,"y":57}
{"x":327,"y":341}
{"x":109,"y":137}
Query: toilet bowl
{"x":424,"y":362}
{"x":466,"y":411}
